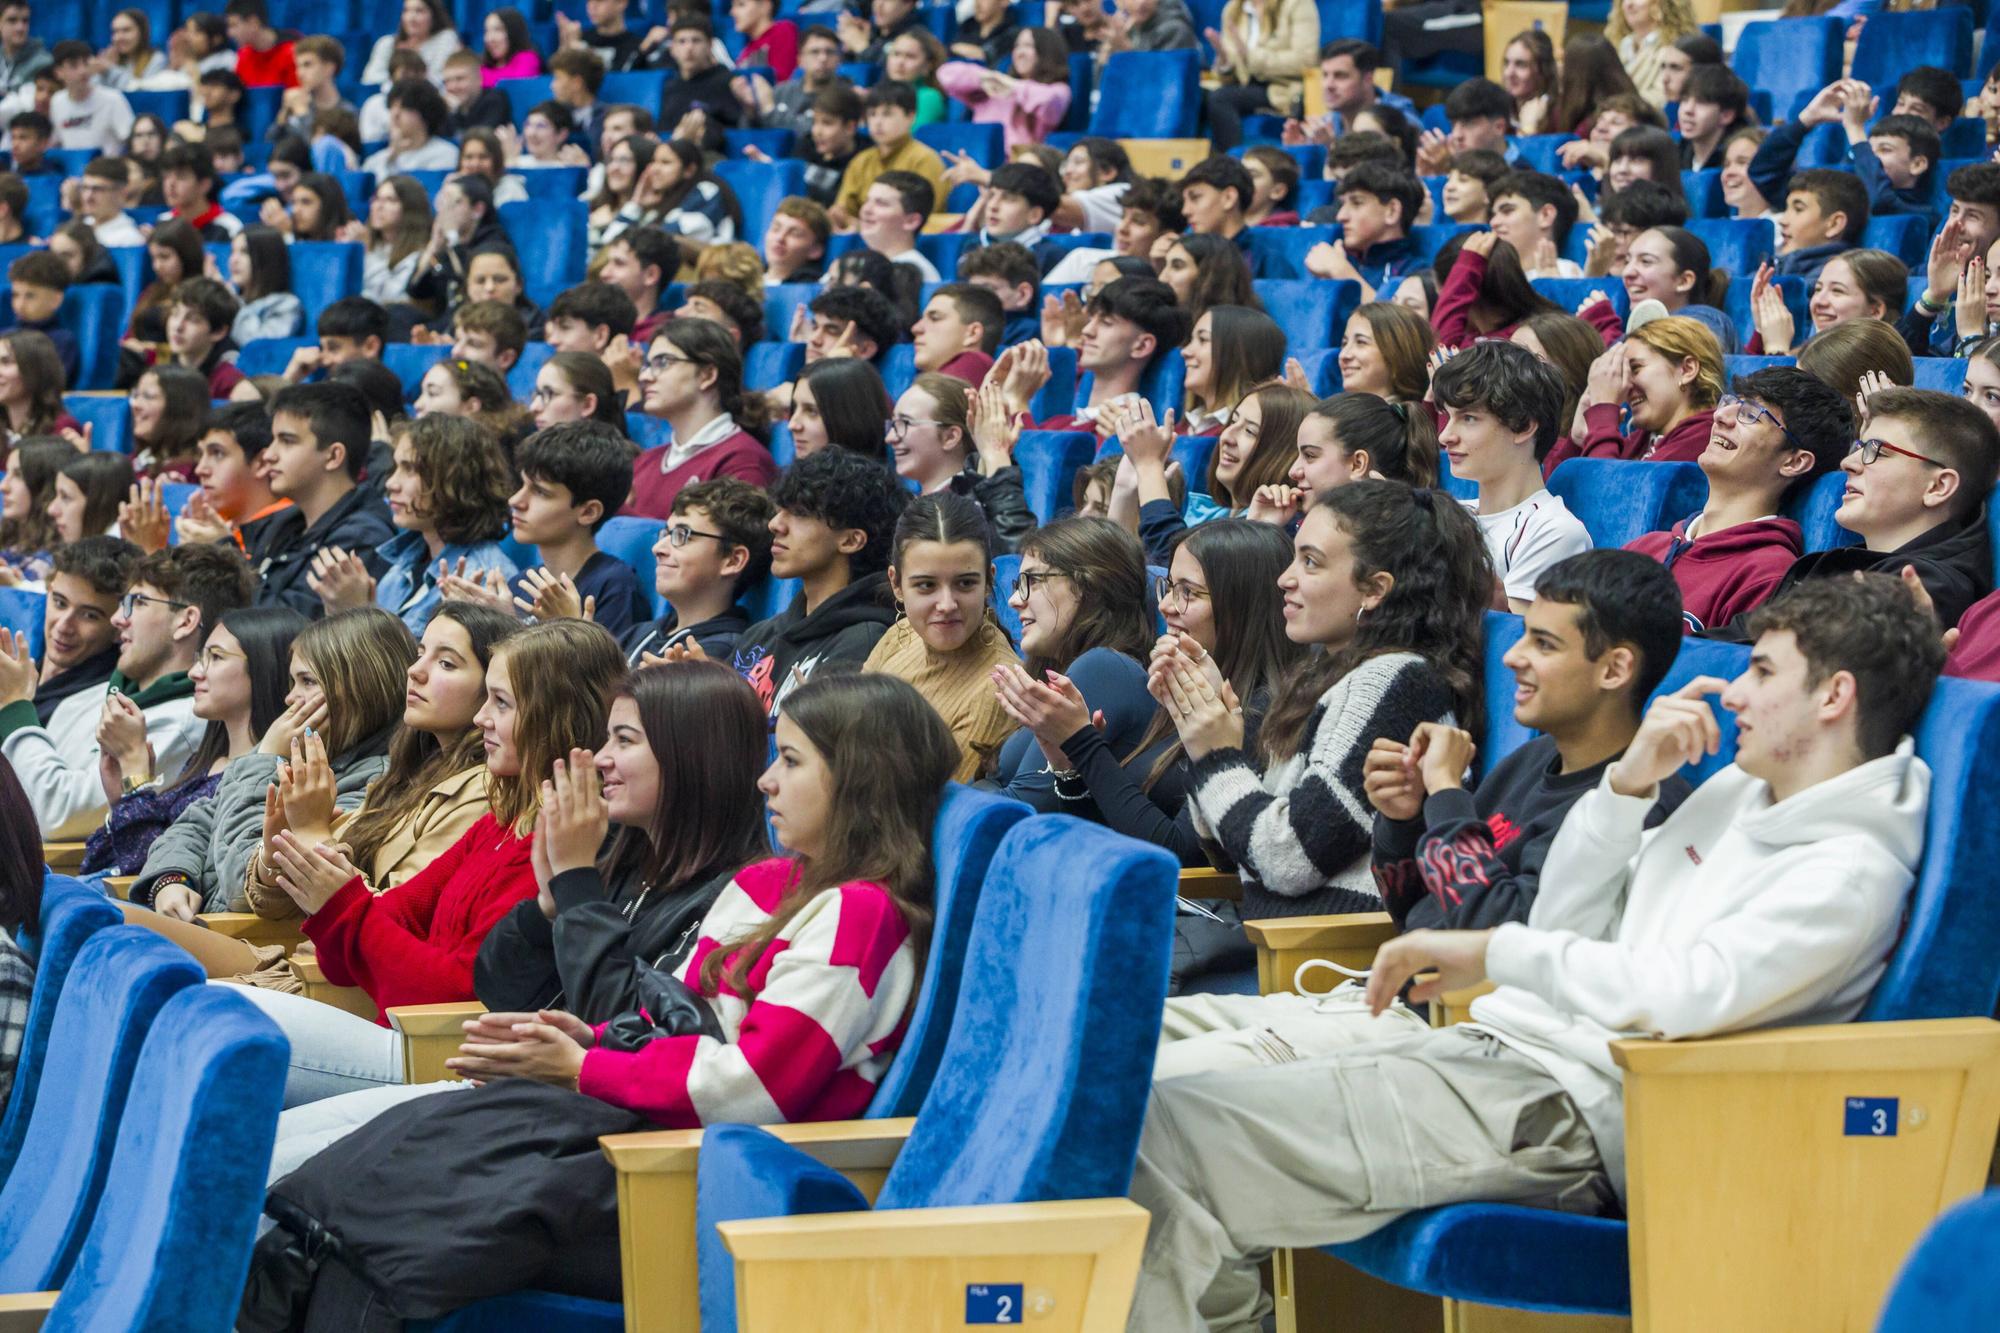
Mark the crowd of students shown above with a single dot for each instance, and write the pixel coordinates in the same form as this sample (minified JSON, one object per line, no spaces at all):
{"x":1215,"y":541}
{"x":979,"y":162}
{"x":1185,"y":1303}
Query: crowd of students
{"x":377,"y":676}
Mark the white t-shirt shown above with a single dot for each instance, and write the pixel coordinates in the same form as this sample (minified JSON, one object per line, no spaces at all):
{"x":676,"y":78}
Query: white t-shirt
{"x":1076,"y":266}
{"x":100,"y":122}
{"x":1525,"y":540}
{"x":1102,"y":205}
{"x":915,"y":259}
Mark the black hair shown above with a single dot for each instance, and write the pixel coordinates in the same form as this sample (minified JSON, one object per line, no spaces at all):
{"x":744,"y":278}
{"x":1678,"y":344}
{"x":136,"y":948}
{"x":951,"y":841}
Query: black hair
{"x":1539,"y":189}
{"x":1975,"y":183}
{"x":1030,"y":182}
{"x":37,"y":123}
{"x":1390,"y":184}
{"x":975,"y":305}
{"x":595,"y":304}
{"x":377,"y":383}
{"x":1835,"y":192}
{"x":892,"y":92}
{"x":1366,"y":57}
{"x":947,"y":518}
{"x":1011,"y":262}
{"x":1816,"y":416}
{"x":1106,"y":155}
{"x":1221,"y":172}
{"x":743,"y":310}
{"x":1655,"y":146}
{"x":844,"y":490}
{"x":1161,"y":199}
{"x":1621,"y":597}
{"x":336,"y":413}
{"x":20,"y":856}
{"x":1939,"y":88}
{"x":1478,"y":99}
{"x":852,"y":403}
{"x":266,"y":634}
{"x":593,"y":460}
{"x":872,"y":314}
{"x":1700,"y":49}
{"x":1918,"y":133}
{"x":420,"y":96}
{"x":918,"y":195}
{"x":1511,"y":383}
{"x":1719,"y":86}
{"x":354,"y":317}
{"x":270,"y":262}
{"x":246,"y":423}
{"x":1148,"y":303}
{"x":653,"y":248}
{"x":1691,"y":255}
{"x":188,"y":157}
{"x":1400,"y":439}
{"x":105,"y":563}
{"x":1643,"y":205}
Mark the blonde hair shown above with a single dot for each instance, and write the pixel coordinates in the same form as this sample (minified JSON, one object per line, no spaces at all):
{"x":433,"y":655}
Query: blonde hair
{"x":1679,"y":338}
{"x":733,"y":262}
{"x":361,"y":659}
{"x":563,"y":674}
{"x":1673,"y":20}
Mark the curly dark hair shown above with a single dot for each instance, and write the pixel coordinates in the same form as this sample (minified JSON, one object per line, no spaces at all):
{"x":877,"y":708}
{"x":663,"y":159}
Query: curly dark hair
{"x":465,"y":474}
{"x":845,"y":490}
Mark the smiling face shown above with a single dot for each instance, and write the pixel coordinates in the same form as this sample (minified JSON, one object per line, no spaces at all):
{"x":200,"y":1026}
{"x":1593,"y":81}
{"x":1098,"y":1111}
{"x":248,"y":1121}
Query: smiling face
{"x":417,"y":23}
{"x":925,"y":452}
{"x":1323,"y":462}
{"x":1517,"y":72}
{"x":1750,"y":454}
{"x":542,"y":138}
{"x":1045,"y":612}
{"x":942,"y":587}
{"x":76,"y":623}
{"x":1885,"y":498}
{"x":883,"y":221}
{"x":221,"y":679}
{"x":1837,"y":297}
{"x":1239,"y":441}
{"x":1660,"y":386}
{"x":148,"y":405}
{"x":1737,"y":191}
{"x":438,"y":392}
{"x":1362,"y":367}
{"x":1652,"y":273}
{"x":495,"y":33}
{"x":808,"y":427}
{"x":1187,"y":608}
{"x":627,"y":767}
{"x":1465,"y":198}
{"x":1108,"y":342}
{"x":1557,"y":685}
{"x":146,"y":634}
{"x":1199,"y":357}
{"x":497,"y":721}
{"x":703,"y":562}
{"x":789,"y":243}
{"x":1480,"y":446}
{"x":1321,"y":600}
{"x":798,"y":790}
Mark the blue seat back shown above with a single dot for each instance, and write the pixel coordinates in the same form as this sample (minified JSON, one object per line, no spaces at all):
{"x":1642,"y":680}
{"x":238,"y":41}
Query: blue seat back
{"x":521,"y":375}
{"x":549,"y":235}
{"x":1706,"y":657}
{"x":1946,"y":374}
{"x":553,"y":182}
{"x":899,"y":369}
{"x":123,"y":975}
{"x":966,"y":835}
{"x":1569,"y":293}
{"x":1311,"y":312}
{"x":631,"y":540}
{"x":760,"y":187}
{"x":524,"y":95}
{"x":647,"y":431}
{"x":323,"y":272}
{"x":170,"y":1245}
{"x":1738,"y":366}
{"x":1539,"y":151}
{"x":770,"y":597}
{"x":1147,"y":95}
{"x":1503,"y":734}
{"x":1704,"y":193}
{"x":95,"y":316}
{"x":1619,"y":500}
{"x":780,"y":300}
{"x":1797,"y":294}
{"x":71,"y":913}
{"x":1006,"y":573}
{"x":984,"y":142}
{"x":641,"y":87}
{"x":1813,"y":510}
{"x":109,"y":419}
{"x":410,"y":361}
{"x":1048,"y":460}
{"x":1945,"y":965}
{"x":25,"y":612}
{"x":1280,"y":252}
{"x":1791,"y":56}
{"x":1734,"y":244}
{"x":769,"y":364}
{"x":774,"y":142}
{"x":1904,"y":235}
{"x":1322,"y":370}
{"x":1947,"y":1282}
{"x":268,"y":356}
{"x":1901,"y":42}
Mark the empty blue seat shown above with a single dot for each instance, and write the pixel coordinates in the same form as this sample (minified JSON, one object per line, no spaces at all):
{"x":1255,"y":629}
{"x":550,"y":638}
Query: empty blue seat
{"x":24,"y":612}
{"x":1429,"y":240}
{"x":1734,"y":244}
{"x":943,"y":249}
{"x":95,"y":317}
{"x":1791,"y":56}
{"x":1904,"y":235}
{"x":639,"y":87}
{"x":1312,"y":312}
{"x":270,"y":356}
{"x":1813,"y":509}
{"x":521,"y":375}
{"x":553,"y":182}
{"x":984,"y":142}
{"x":109,"y":419}
{"x":524,"y":95}
{"x":899,"y":368}
{"x":1350,"y":18}
{"x":1964,"y":137}
{"x":631,"y":539}
{"x":1903,"y":41}
{"x":1148,"y":95}
{"x":258,"y":111}
{"x":1048,"y":460}
{"x":769,"y":364}
{"x":1280,"y":252}
{"x":550,"y":237}
{"x":772,"y":142}
{"x":1737,"y":366}
{"x":170,"y":106}
{"x":760,"y":187}
{"x":324,"y":272}
{"x":1946,"y":374}
{"x":861,"y":73}
{"x":1947,"y":1282}
{"x":1619,"y":500}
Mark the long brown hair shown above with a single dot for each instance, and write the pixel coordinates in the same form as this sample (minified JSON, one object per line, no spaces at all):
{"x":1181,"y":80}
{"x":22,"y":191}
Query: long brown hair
{"x":1282,"y":408}
{"x":39,"y":459}
{"x":1405,"y":339}
{"x":1107,"y":567}
{"x":41,"y":371}
{"x":465,"y":475}
{"x":419,"y":760}
{"x":880,"y":817}
{"x":563,"y":673}
{"x":413,"y":228}
{"x":361,"y":659}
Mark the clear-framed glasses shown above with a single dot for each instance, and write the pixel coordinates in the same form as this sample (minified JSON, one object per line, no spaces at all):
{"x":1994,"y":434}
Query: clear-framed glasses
{"x":899,"y":426}
{"x":680,"y":534}
{"x":546,"y":395}
{"x":1870,"y":450}
{"x":1752,"y":414}
{"x":130,"y":602}
{"x":660,"y":363}
{"x":1178,"y":593}
{"x":213,"y":657}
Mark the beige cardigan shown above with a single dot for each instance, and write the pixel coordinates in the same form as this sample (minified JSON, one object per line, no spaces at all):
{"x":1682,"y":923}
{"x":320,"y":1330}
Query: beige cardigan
{"x":448,"y":810}
{"x":958,"y":686}
{"x":1287,"y":45}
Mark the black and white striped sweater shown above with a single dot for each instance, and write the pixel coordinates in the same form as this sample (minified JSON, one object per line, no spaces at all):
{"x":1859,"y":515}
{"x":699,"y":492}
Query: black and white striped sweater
{"x":1301,"y":834}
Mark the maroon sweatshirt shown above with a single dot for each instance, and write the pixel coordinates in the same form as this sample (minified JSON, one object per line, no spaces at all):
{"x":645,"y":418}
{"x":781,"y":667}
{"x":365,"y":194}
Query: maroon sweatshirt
{"x":1976,"y":656}
{"x":1682,"y":444}
{"x":738,"y":455}
{"x":1724,"y":574}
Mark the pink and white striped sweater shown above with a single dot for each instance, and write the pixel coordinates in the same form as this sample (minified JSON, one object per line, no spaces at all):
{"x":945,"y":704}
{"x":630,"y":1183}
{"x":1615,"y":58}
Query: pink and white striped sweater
{"x":832,"y":995}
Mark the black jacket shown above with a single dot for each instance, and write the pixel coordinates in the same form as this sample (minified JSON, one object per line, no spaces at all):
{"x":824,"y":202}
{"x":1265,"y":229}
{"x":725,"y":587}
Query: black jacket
{"x":1954,"y":563}
{"x":1005,"y":502}
{"x":583,"y":960}
{"x":90,"y":672}
{"x":716,"y":635}
{"x":774,"y":654}
{"x":488,"y":110}
{"x":442,"y":284}
{"x":284,"y":548}
{"x":709,"y":91}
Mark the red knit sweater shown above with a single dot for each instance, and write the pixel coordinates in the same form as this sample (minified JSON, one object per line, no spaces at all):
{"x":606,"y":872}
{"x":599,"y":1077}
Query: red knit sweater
{"x":416,"y":943}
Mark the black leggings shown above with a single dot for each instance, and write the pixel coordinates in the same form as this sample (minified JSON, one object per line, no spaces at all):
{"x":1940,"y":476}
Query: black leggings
{"x":1228,"y":105}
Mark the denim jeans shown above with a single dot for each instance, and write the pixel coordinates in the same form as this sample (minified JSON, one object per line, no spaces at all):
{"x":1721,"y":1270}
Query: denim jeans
{"x":333,"y":1051}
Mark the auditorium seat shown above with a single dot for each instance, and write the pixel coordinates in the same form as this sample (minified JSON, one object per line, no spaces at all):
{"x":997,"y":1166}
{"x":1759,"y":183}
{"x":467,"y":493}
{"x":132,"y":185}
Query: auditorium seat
{"x":1619,"y":500}
{"x":21,"y":610}
{"x":549,"y":235}
{"x":760,"y":187}
{"x":1048,"y":460}
{"x":1947,"y":1282}
{"x":72,"y":912}
{"x":631,"y":540}
{"x":109,"y":419}
{"x":1311,"y":311}
{"x":773,"y":142}
{"x":766,"y":365}
{"x":1280,"y":252}
{"x":521,"y":375}
{"x":984,"y":142}
{"x":641,"y":87}
{"x":1892,"y":44}
{"x":1790,"y":56}
{"x":1039,"y":1098}
{"x":95,"y":317}
{"x":524,"y":95}
{"x":270,"y":356}
{"x":1735,"y":245}
{"x":1946,"y":374}
{"x":1813,"y":509}
{"x":1569,"y":293}
{"x":323,"y":272}
{"x":553,"y":182}
{"x":410,"y":361}
{"x":1904,"y":235}
{"x":1147,"y":95}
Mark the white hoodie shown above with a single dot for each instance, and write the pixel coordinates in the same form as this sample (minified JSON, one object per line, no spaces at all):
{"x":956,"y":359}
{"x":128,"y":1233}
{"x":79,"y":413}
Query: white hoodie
{"x":1734,"y":913}
{"x":57,"y":764}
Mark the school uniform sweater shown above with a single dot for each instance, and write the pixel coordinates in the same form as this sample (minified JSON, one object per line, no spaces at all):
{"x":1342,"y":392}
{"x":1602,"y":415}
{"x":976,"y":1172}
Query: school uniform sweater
{"x":825,"y":1012}
{"x":656,"y":479}
{"x":958,"y":685}
{"x":1301,"y":834}
{"x":416,"y":944}
{"x":1976,"y":655}
{"x":1722,"y":575}
{"x":1452,"y":314}
{"x":1602,"y":439}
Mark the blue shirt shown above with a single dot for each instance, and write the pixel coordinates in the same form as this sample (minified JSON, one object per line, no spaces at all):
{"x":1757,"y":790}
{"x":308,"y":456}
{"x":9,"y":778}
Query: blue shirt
{"x":620,"y":596}
{"x":1110,"y":682}
{"x":408,"y":587}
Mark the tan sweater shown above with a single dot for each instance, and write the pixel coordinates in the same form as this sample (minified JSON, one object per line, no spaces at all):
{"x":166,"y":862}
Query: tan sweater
{"x":448,"y":810}
{"x":1284,"y":47}
{"x":958,"y":685}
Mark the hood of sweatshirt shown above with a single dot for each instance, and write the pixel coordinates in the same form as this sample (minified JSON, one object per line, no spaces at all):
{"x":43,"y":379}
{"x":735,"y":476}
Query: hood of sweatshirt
{"x":1758,"y":535}
{"x":865,"y":601}
{"x":1882,"y":801}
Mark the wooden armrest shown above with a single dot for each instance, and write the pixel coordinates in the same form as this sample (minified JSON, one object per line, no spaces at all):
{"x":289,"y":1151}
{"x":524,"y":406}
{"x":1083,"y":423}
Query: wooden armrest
{"x":1283,"y":943}
{"x":1207,"y":882}
{"x":431,"y":1034}
{"x":253,"y":929}
{"x":1841,"y":1143}
{"x":24,"y":1312}
{"x":313,"y":980}
{"x":656,"y":1210}
{"x":1455,"y":1006}
{"x":65,"y":857}
{"x":1076,"y":1261}
{"x":120,"y":886}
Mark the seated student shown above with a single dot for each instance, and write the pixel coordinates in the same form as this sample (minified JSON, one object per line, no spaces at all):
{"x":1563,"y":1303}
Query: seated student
{"x":1600,"y":636}
{"x":1384,"y":350}
{"x":1931,"y":94}
{"x":1501,"y":408}
{"x":700,"y":581}
{"x":959,"y":332}
{"x":1825,"y":213}
{"x":694,"y":381}
{"x":1917,"y":485}
{"x":616,"y":46}
{"x":851,"y":321}
{"x":147,"y":701}
{"x":1274,"y":176}
{"x":640,"y":263}
{"x":1838,"y":799}
{"x":101,"y":202}
{"x":319,"y":439}
{"x":352,"y":328}
{"x":489,"y":332}
{"x":1131,"y":322}
{"x":346,"y":693}
{"x":1008,"y":270}
{"x":1970,"y":228}
{"x":1485,"y":294}
{"x":795,"y":242}
{"x":1230,"y":350}
{"x":947,"y":644}
{"x":33,"y":403}
{"x":234,"y":502}
{"x":944,"y":436}
{"x":86,"y":114}
{"x":723,"y":302}
{"x":264,"y":57}
{"x":260,"y":269}
{"x":1773,"y":436}
{"x":417,"y":116}
{"x":1671,"y":265}
{"x":836,"y":513}
{"x":1714,"y":102}
{"x":30,"y":135}
{"x":1148,"y":210}
{"x":21,"y":874}
{"x":1030,"y":100}
{"x":839,"y":401}
{"x":1468,"y":185}
{"x":187,"y":178}
{"x":829,"y":143}
{"x":1378,"y":205}
{"x":467,"y":221}
{"x":1348,"y":438}
{"x":1215,"y":198}
{"x":13,"y":208}
{"x":38,"y":281}
{"x":1256,"y":449}
{"x":89,"y":493}
{"x":1666,"y":376}
{"x":1533,"y":212}
{"x":80,"y":649}
{"x":1623,"y":215}
{"x":200,"y":314}
{"x":239,"y":683}
{"x":892,"y":214}
{"x":1016,"y":204}
{"x":470,"y":103}
{"x":892,"y":115}
{"x":591,"y":317}
{"x":28,"y":534}
{"x":1893,"y":159}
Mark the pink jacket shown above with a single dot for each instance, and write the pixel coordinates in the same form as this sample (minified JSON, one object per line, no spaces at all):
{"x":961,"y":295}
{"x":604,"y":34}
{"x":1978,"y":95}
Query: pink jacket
{"x":520,"y":65}
{"x":1028,"y":112}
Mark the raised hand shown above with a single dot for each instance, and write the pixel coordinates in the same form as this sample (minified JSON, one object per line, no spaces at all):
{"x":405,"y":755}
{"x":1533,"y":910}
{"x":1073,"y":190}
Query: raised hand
{"x":1392,"y":784}
{"x":199,"y":524}
{"x":1277,"y":504}
{"x":1610,"y":378}
{"x":1774,"y":321}
{"x":309,"y":711}
{"x":18,"y":673}
{"x":1207,"y":719}
{"x":995,"y":429}
{"x":1026,"y":371}
{"x":1679,"y":729}
{"x":1145,"y":441}
{"x":1949,"y":253}
{"x":307,"y":788}
{"x":142,"y":517}
{"x":1329,"y":259}
{"x":555,"y":597}
{"x":573,"y":817}
{"x":1970,"y":308}
{"x":341,"y":580}
{"x":1826,"y":104}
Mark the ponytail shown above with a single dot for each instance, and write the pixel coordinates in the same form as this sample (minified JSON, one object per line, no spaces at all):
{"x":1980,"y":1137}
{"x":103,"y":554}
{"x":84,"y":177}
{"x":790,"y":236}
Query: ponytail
{"x":1400,"y":440}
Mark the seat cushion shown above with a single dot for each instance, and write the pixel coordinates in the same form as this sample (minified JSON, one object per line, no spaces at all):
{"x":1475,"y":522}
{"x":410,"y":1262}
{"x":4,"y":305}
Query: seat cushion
{"x":1502,"y":1254}
{"x":544,"y":1310}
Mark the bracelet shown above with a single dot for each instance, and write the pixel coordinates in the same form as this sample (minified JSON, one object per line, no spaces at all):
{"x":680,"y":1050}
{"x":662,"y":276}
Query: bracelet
{"x":1930,"y":307}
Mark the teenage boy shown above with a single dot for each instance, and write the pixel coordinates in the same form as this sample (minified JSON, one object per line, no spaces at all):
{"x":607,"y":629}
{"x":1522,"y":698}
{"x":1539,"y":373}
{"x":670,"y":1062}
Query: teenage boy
{"x":1825,"y":213}
{"x":702,"y":89}
{"x":1893,"y":160}
{"x":319,"y":440}
{"x":79,"y":643}
{"x":144,"y":711}
{"x":469,"y":104}
{"x":723,"y":302}
{"x":219,"y":94}
{"x":1378,"y":204}
{"x":790,"y":105}
{"x":1149,"y":209}
{"x":574,"y":80}
{"x":187,"y":180}
{"x":1714,"y":102}
{"x":795,"y":242}
{"x":1274,"y":181}
{"x":596,"y":317}
{"x":21,"y":56}
{"x":351,"y":329}
{"x":1009,"y":271}
{"x":858,"y":320}
{"x":1599,"y":638}
{"x":829,"y":143}
{"x":263,"y":58}
{"x":1971,"y":226}
{"x":39,"y":280}
{"x":1481,"y":113}
{"x":1215,"y":197}
{"x":1017,"y":204}
{"x":199,"y":314}
{"x":1468,"y":185}
{"x":1917,"y":486}
{"x":1131,"y":324}
{"x":1533,"y":212}
{"x":608,"y":38}
{"x":318,"y":61}
{"x":1930,"y":93}
{"x":28,"y":137}
{"x":893,"y":210}
{"x":640,"y":263}
{"x":1825,"y":804}
{"x":235,"y":500}
{"x":101,"y":203}
{"x":958,"y":332}
{"x":87,"y":115}
{"x":1623,"y":214}
{"x":892,"y":116}
{"x":835,"y":514}
{"x":490,"y":332}
{"x":1774,"y":436}
{"x":716,"y":546}
{"x":574,"y":477}
{"x":1503,"y":411}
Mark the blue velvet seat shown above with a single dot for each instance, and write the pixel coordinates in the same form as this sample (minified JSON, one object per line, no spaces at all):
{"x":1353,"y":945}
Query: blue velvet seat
{"x":1895,"y":43}
{"x":1798,"y":297}
{"x":780,"y":300}
{"x":1738,"y":366}
{"x":1813,"y":510}
{"x":270,"y":356}
{"x":109,"y":419}
{"x":95,"y":317}
{"x":760,"y":187}
{"x":1147,"y":95}
{"x":641,"y":87}
{"x":521,"y":375}
{"x":1904,"y":235}
{"x":553,"y":182}
{"x":549,"y":235}
{"x":323,"y":272}
{"x":1322,"y":370}
{"x":170,"y":1243}
{"x":410,"y":361}
{"x":524,"y":95}
{"x":72,"y":912}
{"x":1312,"y":312}
{"x":1798,"y":55}
{"x":123,"y":975}
{"x":899,"y":367}
{"x":984,"y":142}
{"x":1280,"y":252}
{"x":631,"y":540}
{"x":1944,"y":965}
{"x":1946,"y":374}
{"x":1947,"y":1282}
{"x":1619,"y":500}
{"x":1043,"y":1083}
{"x":1048,"y":460}
{"x":1734,"y":244}
{"x":24,"y":612}
{"x":1569,"y":293}
{"x":769,"y":364}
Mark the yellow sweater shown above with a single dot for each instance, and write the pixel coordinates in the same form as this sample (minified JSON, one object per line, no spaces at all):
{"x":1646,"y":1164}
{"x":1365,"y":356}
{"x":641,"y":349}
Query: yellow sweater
{"x":958,"y":685}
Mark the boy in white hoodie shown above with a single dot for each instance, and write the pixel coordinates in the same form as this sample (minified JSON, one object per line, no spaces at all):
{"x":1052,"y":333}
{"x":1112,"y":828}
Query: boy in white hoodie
{"x":1771,"y":896}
